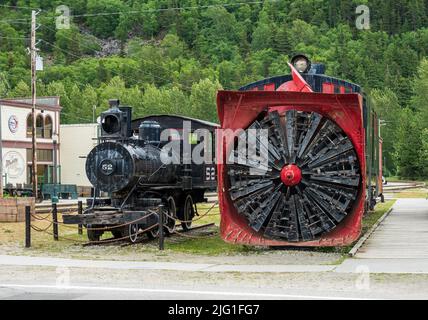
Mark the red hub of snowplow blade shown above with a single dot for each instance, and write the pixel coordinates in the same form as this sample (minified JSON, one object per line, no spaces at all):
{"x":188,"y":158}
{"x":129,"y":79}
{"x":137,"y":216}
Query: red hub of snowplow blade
{"x":291,"y":175}
{"x":238,"y":110}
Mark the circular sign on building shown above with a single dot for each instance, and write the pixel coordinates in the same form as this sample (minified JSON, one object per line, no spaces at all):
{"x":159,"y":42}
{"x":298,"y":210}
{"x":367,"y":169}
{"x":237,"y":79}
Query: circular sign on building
{"x":14,"y":164}
{"x":13,"y":124}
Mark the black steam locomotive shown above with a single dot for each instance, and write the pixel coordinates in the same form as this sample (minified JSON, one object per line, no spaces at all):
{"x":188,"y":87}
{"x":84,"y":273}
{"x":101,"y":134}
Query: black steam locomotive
{"x":129,"y":165}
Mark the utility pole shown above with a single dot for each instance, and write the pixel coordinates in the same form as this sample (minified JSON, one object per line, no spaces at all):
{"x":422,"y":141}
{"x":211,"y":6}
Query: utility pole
{"x":33,"y":52}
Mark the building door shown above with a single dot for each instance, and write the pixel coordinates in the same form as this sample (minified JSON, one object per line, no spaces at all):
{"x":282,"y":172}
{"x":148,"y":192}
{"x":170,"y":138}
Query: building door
{"x":42,"y":174}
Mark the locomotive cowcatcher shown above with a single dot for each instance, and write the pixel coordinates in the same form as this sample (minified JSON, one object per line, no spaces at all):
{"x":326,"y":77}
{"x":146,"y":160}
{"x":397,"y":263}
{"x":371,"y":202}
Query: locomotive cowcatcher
{"x":324,"y":160}
{"x":127,"y":165}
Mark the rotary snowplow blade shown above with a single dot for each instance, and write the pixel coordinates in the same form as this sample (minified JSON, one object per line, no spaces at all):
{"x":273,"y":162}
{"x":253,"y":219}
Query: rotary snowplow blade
{"x":311,"y":190}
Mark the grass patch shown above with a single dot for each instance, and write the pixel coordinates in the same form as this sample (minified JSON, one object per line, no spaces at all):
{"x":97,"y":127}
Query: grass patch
{"x":411,"y":193}
{"x":400,"y":179}
{"x":208,"y":245}
{"x":213,"y":245}
{"x":199,"y":243}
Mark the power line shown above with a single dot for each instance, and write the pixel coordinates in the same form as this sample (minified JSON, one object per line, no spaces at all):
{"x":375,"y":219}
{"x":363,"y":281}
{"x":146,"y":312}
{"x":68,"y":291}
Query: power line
{"x":70,"y":116}
{"x":14,"y":38}
{"x":226,"y":5}
{"x":116,"y":73}
{"x":237,"y":4}
{"x":16,"y":7}
{"x":15,"y":21}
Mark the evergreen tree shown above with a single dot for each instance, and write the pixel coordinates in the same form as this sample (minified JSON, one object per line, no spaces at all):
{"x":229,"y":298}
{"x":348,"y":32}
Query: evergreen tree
{"x":202,"y":100}
{"x":262,"y":35}
{"x":424,"y":154}
{"x":388,"y":109}
{"x":21,"y":90}
{"x":104,"y":25}
{"x":4,"y":85}
{"x":408,"y":145}
{"x":281,"y":40}
{"x":419,"y":101}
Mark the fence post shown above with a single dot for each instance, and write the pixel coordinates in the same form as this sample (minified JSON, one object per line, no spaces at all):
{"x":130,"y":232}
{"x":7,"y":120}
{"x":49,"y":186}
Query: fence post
{"x":55,"y":221}
{"x":161,"y":233}
{"x":80,"y":211}
{"x":27,"y":226}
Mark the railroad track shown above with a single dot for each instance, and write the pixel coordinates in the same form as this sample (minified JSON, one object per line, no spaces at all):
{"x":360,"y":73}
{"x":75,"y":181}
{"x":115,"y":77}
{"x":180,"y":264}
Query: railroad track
{"x":125,"y":243}
{"x":393,"y":188}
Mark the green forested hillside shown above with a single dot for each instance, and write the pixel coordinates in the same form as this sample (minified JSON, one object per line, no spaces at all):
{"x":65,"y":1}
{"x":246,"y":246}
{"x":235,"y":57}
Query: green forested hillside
{"x":171,"y":56}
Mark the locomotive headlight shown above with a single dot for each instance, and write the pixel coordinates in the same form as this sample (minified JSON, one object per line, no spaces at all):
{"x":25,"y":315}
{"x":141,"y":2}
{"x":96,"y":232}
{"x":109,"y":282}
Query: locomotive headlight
{"x":301,"y":63}
{"x":111,"y":124}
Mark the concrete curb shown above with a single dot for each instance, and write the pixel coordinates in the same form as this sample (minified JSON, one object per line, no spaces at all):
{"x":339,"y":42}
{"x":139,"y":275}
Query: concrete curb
{"x":364,"y":238}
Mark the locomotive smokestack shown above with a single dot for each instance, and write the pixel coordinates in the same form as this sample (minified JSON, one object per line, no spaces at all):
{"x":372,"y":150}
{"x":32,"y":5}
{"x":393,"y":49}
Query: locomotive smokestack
{"x":114,"y":103}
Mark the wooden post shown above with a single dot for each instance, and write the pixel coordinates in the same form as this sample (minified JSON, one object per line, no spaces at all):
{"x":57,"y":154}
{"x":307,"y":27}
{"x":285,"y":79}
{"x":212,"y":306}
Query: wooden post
{"x":80,"y":211}
{"x":55,"y":221}
{"x":161,"y":222}
{"x":33,"y":102}
{"x":27,"y":226}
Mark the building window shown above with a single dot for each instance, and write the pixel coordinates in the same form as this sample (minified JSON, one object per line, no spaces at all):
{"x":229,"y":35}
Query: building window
{"x":39,"y":126}
{"x":43,"y":155}
{"x":29,"y":126}
{"x":48,"y":128}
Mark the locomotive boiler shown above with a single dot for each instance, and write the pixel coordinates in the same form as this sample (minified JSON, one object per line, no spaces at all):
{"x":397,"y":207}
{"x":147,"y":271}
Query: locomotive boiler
{"x":323,"y":165}
{"x":128,"y":165}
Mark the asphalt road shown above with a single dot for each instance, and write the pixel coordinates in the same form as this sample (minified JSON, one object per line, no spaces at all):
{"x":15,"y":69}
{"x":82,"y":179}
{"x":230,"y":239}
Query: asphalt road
{"x":49,"y":292}
{"x":50,"y":283}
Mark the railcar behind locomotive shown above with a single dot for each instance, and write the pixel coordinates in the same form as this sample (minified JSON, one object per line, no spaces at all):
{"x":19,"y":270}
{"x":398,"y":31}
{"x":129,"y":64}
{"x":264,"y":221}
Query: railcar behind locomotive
{"x":323,"y":160}
{"x":127,"y":164}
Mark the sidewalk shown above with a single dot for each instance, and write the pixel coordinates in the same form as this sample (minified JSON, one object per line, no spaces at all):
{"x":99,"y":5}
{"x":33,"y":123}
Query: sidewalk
{"x":171,"y":266}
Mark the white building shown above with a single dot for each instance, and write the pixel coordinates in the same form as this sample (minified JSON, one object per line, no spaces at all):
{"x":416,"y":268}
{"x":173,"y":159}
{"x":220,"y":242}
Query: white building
{"x":16,"y":136}
{"x":77,"y":140}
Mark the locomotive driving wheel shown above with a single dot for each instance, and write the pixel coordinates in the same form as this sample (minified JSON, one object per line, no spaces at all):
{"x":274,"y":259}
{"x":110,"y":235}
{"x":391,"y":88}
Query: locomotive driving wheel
{"x":188,"y":212}
{"x":153,"y":233}
{"x":170,"y":216}
{"x":128,"y":232}
{"x":133,"y":230}
{"x":308,"y":183}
